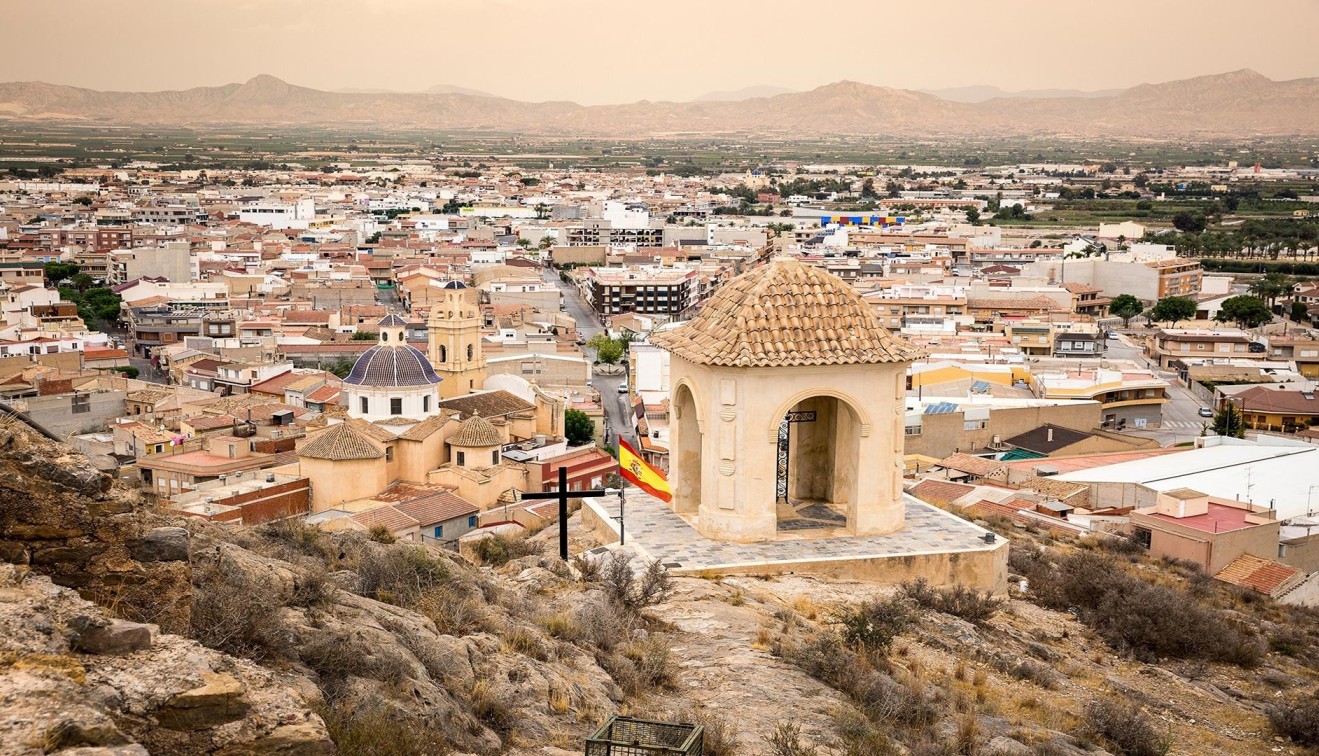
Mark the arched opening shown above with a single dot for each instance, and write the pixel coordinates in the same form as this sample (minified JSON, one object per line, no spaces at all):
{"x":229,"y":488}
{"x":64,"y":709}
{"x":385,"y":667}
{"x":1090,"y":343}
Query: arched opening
{"x":469,"y":352}
{"x":444,"y":353}
{"x":818,"y":462}
{"x":685,"y":463}
{"x":384,"y":335}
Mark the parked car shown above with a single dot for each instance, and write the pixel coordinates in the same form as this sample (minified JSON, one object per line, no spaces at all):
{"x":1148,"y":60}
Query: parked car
{"x":622,"y":387}
{"x":1206,"y":412}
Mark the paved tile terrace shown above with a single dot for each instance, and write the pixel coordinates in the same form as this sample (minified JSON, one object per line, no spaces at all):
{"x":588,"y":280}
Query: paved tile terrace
{"x":657,"y":533}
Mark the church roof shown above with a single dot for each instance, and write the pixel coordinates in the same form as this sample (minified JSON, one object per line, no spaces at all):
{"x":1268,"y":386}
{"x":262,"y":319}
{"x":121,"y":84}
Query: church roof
{"x":476,"y":431}
{"x":340,"y":442}
{"x":400,"y":365}
{"x":785,"y":313}
{"x":392,"y":320}
{"x":488,"y":403}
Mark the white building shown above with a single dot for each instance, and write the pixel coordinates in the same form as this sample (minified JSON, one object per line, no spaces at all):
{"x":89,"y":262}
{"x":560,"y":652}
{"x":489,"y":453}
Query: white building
{"x":392,"y":379}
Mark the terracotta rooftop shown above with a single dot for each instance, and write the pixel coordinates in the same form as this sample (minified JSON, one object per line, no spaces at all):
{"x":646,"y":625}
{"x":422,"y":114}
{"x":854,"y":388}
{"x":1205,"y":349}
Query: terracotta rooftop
{"x":476,"y":431}
{"x":1258,"y":574}
{"x":971,"y":464}
{"x":782,"y":314}
{"x":488,"y":404}
{"x":940,"y":492}
{"x":340,"y":442}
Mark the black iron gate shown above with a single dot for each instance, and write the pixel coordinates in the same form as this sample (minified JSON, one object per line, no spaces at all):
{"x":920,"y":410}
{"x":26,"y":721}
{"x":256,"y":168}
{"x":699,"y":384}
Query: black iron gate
{"x":785,"y":452}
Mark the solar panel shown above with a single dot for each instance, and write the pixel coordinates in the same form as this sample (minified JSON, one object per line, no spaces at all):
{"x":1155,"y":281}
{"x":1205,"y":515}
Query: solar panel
{"x":940,"y":408}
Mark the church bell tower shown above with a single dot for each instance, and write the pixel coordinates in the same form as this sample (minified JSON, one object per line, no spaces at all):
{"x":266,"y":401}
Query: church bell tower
{"x":454,"y":335}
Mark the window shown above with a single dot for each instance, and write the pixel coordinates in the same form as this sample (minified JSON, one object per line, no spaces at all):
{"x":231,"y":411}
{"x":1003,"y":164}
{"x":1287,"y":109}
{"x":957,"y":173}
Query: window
{"x":912,"y":430}
{"x":364,"y":406}
{"x":471,"y":521}
{"x":470,"y":351}
{"x":494,"y":457}
{"x":1141,"y":536}
{"x":82,"y":403}
{"x":439,"y":531}
{"x":396,"y":405}
{"x":462,"y":459}
{"x":389,"y":453}
{"x":426,"y":403}
{"x":444,"y":353}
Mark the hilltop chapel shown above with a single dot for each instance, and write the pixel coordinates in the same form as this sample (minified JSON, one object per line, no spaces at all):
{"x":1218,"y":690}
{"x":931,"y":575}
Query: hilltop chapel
{"x":425,"y":418}
{"x":788,"y":400}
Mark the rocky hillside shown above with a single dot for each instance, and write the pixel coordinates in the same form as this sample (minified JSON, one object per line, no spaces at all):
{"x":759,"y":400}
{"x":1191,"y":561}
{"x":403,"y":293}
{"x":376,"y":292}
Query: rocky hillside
{"x":1240,"y":103}
{"x":296,"y":641}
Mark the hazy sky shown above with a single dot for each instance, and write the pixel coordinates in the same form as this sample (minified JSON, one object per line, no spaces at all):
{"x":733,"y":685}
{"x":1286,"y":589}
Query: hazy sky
{"x":595,"y":51}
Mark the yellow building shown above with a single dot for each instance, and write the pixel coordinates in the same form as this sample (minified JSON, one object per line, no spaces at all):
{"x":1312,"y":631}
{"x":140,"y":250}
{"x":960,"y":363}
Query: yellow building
{"x":454,"y":330}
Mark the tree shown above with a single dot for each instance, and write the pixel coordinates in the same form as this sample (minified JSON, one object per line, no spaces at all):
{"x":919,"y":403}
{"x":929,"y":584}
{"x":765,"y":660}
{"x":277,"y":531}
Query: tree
{"x":607,"y":350}
{"x":578,"y":428}
{"x":82,"y":281}
{"x":56,"y":272}
{"x":972,"y":215}
{"x":1300,"y":312}
{"x":1246,"y":311}
{"x":1188,"y":222}
{"x":1271,"y":286}
{"x":1228,"y":422}
{"x":1173,"y":309}
{"x":1126,"y":306}
{"x":128,"y":371}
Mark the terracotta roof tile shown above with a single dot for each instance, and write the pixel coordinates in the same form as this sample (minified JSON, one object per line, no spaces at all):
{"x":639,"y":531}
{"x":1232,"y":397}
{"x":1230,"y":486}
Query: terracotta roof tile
{"x":340,"y":442}
{"x":785,"y":313}
{"x":1258,"y":574}
{"x":476,"y":431}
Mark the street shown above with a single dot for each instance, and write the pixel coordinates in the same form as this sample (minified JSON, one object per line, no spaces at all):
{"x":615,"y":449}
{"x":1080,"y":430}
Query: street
{"x":1181,"y":419}
{"x":615,"y":404}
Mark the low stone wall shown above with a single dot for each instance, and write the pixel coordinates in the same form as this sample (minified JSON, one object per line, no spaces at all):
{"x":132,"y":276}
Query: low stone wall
{"x":984,"y":570}
{"x":598,"y":523}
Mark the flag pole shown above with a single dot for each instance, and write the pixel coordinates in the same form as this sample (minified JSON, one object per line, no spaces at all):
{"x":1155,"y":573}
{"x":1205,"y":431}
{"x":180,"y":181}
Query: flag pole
{"x":622,"y":487}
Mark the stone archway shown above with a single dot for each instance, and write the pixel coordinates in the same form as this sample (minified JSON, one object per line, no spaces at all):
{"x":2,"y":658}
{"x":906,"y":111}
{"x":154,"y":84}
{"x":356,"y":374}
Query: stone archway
{"x":818,"y":454}
{"x":685,"y":467}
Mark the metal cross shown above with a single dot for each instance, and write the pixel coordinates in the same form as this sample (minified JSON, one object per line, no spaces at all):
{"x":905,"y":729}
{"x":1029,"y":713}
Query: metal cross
{"x":563,"y":495}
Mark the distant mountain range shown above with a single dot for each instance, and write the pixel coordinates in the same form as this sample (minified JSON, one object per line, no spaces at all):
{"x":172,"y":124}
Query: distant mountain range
{"x":1236,"y":104}
{"x":980,"y":93}
{"x":745,"y":93}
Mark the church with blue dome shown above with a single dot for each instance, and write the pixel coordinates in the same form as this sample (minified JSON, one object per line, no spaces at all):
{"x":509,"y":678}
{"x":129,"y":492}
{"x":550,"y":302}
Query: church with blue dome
{"x":393,"y":379}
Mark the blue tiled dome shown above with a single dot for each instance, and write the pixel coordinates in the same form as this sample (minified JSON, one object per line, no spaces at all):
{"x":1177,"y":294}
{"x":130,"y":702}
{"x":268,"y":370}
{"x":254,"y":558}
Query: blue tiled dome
{"x":402,"y":365}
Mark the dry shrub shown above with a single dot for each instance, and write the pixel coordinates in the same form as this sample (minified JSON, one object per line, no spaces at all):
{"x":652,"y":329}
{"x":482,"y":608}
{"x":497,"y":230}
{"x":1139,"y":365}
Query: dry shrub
{"x":337,"y":656}
{"x":1130,"y":614}
{"x":629,"y":590}
{"x":454,"y":611}
{"x":312,"y":588}
{"x":1033,"y":672}
{"x":523,"y":641}
{"x":720,"y":738}
{"x":1298,"y":721}
{"x":873,"y":625}
{"x":959,"y":601}
{"x":372,"y":730}
{"x":497,"y":550}
{"x":1127,"y":729}
{"x":885,"y":700}
{"x":295,"y":534}
{"x":603,"y":623}
{"x":236,"y":612}
{"x":399,"y":574}
{"x":492,"y":708}
{"x":653,"y":658}
{"x":588,"y":569}
{"x":855,"y":735}
{"x":381,"y":534}
{"x":786,"y":741}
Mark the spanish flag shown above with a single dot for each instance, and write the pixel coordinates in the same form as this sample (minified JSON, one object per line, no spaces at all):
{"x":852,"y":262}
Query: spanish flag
{"x":632,"y":467}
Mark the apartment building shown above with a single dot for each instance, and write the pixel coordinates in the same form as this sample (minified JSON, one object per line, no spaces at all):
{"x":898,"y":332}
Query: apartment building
{"x":1127,"y":396}
{"x":646,"y":289}
{"x":1171,"y":348}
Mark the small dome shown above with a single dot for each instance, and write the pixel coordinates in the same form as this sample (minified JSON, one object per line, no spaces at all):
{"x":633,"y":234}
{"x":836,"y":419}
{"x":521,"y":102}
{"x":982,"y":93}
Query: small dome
{"x":392,"y":320}
{"x":454,"y":285}
{"x":476,"y":431}
{"x":397,"y":365}
{"x":785,"y":313}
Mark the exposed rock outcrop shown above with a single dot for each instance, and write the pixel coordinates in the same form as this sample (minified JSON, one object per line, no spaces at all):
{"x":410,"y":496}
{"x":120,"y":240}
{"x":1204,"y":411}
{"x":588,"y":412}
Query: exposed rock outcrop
{"x":65,"y":519}
{"x":70,"y":680}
